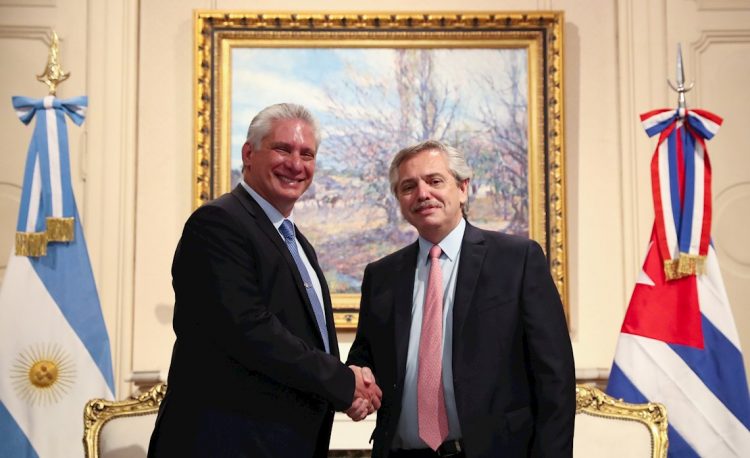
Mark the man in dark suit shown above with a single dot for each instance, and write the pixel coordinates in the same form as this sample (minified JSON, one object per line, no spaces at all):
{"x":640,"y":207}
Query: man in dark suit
{"x":463,"y":329}
{"x":255,"y":369}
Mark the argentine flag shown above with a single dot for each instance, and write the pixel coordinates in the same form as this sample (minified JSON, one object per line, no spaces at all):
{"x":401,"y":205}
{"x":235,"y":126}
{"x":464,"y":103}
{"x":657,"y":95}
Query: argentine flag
{"x":678,"y":344}
{"x":54,"y":349}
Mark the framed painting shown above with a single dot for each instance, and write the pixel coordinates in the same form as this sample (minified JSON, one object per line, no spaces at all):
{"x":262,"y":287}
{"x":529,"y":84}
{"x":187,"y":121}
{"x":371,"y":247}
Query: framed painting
{"x":489,"y":84}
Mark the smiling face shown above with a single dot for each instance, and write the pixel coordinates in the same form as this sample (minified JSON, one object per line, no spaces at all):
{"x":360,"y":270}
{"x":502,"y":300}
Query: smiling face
{"x":429,"y":195}
{"x":282,"y":168}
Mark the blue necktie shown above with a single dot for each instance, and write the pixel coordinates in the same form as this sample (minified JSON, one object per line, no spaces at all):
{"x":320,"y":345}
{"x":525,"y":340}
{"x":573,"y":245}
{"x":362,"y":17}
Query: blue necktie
{"x":287,"y":230}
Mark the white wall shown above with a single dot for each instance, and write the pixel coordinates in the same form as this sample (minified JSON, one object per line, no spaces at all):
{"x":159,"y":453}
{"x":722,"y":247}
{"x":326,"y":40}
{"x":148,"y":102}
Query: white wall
{"x":132,"y":160}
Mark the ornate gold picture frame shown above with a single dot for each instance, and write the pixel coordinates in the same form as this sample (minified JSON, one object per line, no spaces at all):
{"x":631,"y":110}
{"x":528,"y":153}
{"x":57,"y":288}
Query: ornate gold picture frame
{"x":490,"y":84}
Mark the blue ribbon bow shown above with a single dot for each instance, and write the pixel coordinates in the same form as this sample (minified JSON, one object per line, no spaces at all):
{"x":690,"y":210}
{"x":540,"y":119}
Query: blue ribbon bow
{"x":47,"y":190}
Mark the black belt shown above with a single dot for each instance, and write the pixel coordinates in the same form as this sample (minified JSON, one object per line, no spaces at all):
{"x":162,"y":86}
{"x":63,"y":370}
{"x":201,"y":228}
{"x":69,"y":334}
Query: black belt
{"x":453,"y":448}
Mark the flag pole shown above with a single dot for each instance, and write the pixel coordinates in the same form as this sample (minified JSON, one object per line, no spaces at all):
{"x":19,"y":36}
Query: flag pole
{"x":678,"y":343}
{"x":54,"y":348}
{"x":53,"y":173}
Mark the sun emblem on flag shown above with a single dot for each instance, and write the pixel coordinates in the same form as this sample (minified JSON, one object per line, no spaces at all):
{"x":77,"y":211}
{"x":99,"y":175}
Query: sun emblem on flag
{"x":42,"y":374}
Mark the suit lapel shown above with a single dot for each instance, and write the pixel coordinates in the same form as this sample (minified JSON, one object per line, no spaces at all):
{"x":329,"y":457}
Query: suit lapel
{"x":262,"y":222}
{"x":266,"y":226}
{"x":473,"y":251}
{"x":403,"y":299}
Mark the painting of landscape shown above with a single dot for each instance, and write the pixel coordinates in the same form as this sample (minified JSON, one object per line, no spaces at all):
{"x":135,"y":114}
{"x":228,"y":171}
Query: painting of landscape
{"x":370,"y":103}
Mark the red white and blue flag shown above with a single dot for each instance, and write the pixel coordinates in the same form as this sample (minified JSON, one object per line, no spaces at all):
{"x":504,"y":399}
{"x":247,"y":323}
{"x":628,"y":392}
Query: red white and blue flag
{"x":679,"y":344}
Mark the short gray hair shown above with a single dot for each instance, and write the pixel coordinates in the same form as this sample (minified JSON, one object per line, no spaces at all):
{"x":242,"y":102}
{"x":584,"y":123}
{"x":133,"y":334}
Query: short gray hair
{"x":262,"y":123}
{"x":456,"y":163}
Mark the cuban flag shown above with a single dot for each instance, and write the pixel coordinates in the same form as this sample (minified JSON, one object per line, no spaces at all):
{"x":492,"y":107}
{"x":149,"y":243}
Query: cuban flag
{"x":54,"y":349}
{"x":679,"y":344}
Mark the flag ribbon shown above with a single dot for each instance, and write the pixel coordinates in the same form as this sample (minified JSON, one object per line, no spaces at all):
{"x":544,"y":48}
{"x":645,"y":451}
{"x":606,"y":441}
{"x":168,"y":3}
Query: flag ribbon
{"x":47,"y":211}
{"x":681,"y":187}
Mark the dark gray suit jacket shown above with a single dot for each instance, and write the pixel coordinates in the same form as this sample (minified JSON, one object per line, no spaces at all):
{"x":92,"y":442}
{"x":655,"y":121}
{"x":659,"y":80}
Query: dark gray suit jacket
{"x":249,"y":376}
{"x":514,"y":377}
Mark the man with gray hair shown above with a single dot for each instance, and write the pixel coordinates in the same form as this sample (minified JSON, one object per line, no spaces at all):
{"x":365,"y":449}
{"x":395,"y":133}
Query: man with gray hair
{"x":255,"y":368}
{"x":464,"y":329}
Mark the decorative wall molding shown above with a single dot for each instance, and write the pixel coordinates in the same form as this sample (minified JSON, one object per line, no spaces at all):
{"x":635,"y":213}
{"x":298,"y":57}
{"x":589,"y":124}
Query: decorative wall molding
{"x":28,"y":32}
{"x":145,"y":380}
{"x":713,"y":5}
{"x":732,"y":204}
{"x":112,"y":71}
{"x":629,"y":163}
{"x":711,"y":37}
{"x":641,"y":55}
{"x":596,"y":376}
{"x":27,"y":3}
{"x":702,"y":45}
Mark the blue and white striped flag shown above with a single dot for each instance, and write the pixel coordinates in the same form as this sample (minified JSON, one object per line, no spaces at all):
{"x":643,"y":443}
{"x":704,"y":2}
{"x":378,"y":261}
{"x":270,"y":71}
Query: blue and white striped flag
{"x":679,"y":344}
{"x":54,"y":349}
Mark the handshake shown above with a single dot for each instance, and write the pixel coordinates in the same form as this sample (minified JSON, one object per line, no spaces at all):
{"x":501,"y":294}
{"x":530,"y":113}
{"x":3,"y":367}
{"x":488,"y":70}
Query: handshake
{"x":367,"y":394}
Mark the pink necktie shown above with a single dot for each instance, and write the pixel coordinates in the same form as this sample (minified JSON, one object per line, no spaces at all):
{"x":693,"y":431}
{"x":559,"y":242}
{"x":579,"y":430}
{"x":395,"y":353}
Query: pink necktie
{"x":433,"y":420}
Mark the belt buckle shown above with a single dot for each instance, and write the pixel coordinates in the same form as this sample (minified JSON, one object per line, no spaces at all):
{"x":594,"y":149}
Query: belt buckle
{"x":450,"y":448}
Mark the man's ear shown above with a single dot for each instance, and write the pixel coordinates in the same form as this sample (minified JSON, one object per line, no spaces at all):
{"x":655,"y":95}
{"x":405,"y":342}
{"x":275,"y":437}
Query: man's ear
{"x":247,"y":150}
{"x":464,"y":187}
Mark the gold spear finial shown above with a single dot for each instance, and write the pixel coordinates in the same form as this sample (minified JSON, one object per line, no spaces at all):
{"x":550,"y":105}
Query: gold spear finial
{"x":53,"y":73}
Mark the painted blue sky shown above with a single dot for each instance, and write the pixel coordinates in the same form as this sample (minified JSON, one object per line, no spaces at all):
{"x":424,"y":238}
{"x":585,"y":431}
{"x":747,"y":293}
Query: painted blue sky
{"x":319,"y":77}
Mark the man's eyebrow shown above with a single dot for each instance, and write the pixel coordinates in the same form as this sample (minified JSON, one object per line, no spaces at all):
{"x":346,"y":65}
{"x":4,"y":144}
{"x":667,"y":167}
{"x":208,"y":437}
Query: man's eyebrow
{"x":278,"y":144}
{"x":428,"y":176}
{"x":287,"y":145}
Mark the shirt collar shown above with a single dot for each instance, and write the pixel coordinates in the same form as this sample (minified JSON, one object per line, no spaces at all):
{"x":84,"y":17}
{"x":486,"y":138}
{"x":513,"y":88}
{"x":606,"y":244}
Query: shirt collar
{"x":274,"y":215}
{"x":450,"y":245}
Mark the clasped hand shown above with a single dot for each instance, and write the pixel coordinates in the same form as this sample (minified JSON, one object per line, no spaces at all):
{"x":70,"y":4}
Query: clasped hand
{"x":367,"y":394}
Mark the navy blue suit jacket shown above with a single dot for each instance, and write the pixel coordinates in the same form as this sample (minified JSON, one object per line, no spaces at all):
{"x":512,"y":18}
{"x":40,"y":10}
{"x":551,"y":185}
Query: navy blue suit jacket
{"x":514,"y":377}
{"x":249,"y":375}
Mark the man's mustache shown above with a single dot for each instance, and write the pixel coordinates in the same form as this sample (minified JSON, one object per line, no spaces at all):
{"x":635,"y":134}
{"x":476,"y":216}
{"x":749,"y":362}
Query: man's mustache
{"x":432,"y":203}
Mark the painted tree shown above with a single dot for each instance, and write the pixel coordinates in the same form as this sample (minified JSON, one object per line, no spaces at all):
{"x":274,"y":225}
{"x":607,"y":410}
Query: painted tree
{"x":374,"y":118}
{"x":502,"y":156}
{"x":376,"y":114}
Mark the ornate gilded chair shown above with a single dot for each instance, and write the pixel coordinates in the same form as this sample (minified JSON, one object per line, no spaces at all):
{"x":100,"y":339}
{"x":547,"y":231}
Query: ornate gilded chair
{"x":121,"y":429}
{"x":609,"y":427}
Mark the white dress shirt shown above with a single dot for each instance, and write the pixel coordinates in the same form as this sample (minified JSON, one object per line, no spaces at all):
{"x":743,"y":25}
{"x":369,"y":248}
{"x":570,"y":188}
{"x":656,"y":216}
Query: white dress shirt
{"x":276,"y":219}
